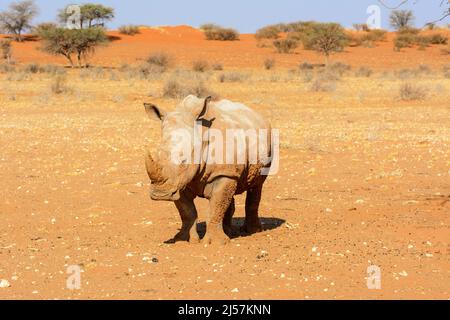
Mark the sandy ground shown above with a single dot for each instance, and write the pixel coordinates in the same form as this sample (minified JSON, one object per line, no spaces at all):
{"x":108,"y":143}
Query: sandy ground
{"x":364,"y":180}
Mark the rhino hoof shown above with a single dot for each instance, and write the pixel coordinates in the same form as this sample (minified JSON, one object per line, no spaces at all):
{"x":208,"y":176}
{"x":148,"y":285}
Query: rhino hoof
{"x":252,"y":228}
{"x":216,"y":239}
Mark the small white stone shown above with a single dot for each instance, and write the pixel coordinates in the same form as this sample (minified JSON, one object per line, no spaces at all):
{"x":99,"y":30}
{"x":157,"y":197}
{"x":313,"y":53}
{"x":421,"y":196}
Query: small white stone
{"x":235,"y":290}
{"x":403,"y":273}
{"x":314,"y":249}
{"x":4,"y":283}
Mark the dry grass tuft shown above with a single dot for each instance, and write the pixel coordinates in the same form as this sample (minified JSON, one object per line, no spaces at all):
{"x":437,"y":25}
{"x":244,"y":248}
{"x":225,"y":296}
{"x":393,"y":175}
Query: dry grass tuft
{"x":269,"y":64}
{"x":233,"y":77}
{"x":59,"y":85}
{"x":200,"y":66}
{"x":177,"y":88}
{"x":412,"y":92}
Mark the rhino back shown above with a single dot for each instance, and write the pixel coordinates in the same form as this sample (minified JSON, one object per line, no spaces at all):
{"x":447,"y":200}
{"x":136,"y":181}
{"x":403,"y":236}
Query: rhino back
{"x":227,"y":115}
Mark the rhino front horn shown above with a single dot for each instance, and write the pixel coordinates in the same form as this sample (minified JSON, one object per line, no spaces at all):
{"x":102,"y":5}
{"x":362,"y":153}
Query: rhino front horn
{"x":153,"y":168}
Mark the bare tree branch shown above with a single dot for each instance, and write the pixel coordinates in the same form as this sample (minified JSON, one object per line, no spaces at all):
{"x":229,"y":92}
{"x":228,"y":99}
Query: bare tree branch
{"x":403,"y":2}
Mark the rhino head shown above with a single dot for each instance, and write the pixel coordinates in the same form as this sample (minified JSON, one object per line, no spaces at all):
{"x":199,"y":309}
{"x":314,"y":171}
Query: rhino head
{"x":170,"y":175}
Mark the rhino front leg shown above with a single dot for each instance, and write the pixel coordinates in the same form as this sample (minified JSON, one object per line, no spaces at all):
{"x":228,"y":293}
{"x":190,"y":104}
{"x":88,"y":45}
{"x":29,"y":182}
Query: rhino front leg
{"x":219,"y":202}
{"x":188,"y":214}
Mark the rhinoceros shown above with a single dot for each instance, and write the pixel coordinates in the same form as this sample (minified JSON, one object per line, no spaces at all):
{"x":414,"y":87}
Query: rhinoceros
{"x":198,"y":127}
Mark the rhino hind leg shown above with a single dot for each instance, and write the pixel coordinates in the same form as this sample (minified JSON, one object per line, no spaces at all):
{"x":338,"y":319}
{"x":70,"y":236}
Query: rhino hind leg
{"x":252,"y":223}
{"x":219,"y":203}
{"x":227,"y":220}
{"x":188,"y":214}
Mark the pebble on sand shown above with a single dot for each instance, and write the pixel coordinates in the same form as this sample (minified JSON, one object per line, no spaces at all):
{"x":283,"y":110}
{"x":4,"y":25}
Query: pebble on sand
{"x":4,"y":283}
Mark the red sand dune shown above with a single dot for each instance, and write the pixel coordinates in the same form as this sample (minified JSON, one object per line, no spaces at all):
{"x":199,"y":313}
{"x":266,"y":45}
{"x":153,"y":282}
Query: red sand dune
{"x":188,"y":44}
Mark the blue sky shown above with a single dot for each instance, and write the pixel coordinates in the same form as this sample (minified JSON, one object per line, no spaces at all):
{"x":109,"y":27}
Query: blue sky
{"x":244,"y":15}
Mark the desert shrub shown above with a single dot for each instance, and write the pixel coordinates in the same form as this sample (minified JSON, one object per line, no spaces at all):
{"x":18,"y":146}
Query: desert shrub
{"x":374,"y":35}
{"x":411,"y":92}
{"x":148,"y":71}
{"x":424,"y":69}
{"x":209,"y":26}
{"x":338,"y":68}
{"x":233,"y":77}
{"x":285,"y":45}
{"x":159,"y":60}
{"x":405,"y":40}
{"x":176,"y":89}
{"x":6,"y":49}
{"x":44,"y":27}
{"x":361,"y":27}
{"x":403,"y":74}
{"x":408,"y":30}
{"x":217,"y":66}
{"x":438,"y":38}
{"x":7,"y":68}
{"x":422,"y":41}
{"x":363,"y":71}
{"x":31,"y":68}
{"x":200,"y":65}
{"x":446,"y":71}
{"x":129,"y":30}
{"x":306,"y":66}
{"x":59,"y":85}
{"x":268,"y":32}
{"x":321,"y":85}
{"x":52,"y":69}
{"x":269,"y":64}
{"x":221,"y":34}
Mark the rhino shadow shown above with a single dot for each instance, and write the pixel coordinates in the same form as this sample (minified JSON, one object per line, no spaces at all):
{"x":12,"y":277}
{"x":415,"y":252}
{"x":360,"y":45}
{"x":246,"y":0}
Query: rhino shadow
{"x":267,"y":225}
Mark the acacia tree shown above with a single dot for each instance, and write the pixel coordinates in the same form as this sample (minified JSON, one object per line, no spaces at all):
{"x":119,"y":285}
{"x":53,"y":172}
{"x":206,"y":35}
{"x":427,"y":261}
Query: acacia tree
{"x":327,"y":38}
{"x":91,"y":15}
{"x":400,"y":19}
{"x":18,"y":18}
{"x":72,"y":42}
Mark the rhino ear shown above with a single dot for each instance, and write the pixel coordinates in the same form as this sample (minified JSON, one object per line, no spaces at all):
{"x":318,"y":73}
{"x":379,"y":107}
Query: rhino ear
{"x":205,"y":107}
{"x":154,"y":112}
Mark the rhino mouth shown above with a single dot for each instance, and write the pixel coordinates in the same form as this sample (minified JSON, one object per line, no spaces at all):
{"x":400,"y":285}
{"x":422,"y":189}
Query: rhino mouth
{"x":164,"y":195}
